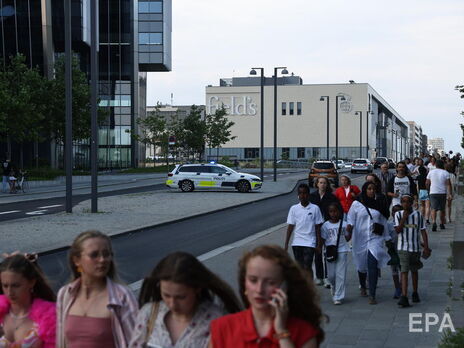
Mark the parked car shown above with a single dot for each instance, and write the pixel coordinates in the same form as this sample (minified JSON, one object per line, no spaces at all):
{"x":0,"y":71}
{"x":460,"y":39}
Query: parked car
{"x":391,"y":164}
{"x":188,"y":177}
{"x":379,"y":160}
{"x":323,"y":168}
{"x":361,"y":165}
{"x":340,"y":164}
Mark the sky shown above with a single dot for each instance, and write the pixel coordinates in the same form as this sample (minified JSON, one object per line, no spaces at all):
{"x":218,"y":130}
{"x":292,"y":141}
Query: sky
{"x":411,"y":51}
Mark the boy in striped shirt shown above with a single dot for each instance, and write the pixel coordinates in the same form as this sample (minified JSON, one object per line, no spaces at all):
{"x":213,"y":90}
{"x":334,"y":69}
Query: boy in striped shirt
{"x":410,"y":226}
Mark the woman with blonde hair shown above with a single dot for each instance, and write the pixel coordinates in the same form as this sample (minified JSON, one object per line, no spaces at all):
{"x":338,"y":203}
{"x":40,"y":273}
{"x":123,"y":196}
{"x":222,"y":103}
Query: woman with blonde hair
{"x":282,"y":307}
{"x":94,"y":310}
{"x":27,"y":304}
{"x":178,"y":303}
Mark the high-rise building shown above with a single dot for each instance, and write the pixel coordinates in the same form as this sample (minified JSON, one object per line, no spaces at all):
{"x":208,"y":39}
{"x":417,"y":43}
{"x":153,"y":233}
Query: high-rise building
{"x":415,"y":139}
{"x":134,"y":38}
{"x":437,"y":145}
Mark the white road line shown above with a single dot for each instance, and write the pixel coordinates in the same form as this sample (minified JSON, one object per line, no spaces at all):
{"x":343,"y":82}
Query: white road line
{"x":36,"y":212}
{"x":9,"y":212}
{"x":51,"y":206}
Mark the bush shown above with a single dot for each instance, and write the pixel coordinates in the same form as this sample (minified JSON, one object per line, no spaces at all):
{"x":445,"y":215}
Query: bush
{"x":452,"y":339}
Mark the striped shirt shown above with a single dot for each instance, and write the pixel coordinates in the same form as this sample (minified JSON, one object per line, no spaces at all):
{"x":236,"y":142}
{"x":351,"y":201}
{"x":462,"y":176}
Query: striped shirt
{"x":121,"y":303}
{"x":409,"y":239}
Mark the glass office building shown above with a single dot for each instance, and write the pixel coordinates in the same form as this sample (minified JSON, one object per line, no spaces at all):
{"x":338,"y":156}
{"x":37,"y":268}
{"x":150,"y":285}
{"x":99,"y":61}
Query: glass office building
{"x":134,"y":38}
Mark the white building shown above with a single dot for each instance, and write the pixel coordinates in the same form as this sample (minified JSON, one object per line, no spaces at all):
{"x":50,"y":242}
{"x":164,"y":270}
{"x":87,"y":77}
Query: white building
{"x":415,"y":139}
{"x":437,"y":144}
{"x":307,"y":120}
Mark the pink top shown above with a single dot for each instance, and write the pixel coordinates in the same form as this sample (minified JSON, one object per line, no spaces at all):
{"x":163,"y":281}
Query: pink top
{"x":88,"y":332}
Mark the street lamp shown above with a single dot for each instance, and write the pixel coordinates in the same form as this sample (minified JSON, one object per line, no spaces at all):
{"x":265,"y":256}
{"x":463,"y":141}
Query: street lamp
{"x":284,"y":72}
{"x":253,"y":72}
{"x":336,"y":124}
{"x":360,"y":131}
{"x":322,"y":99}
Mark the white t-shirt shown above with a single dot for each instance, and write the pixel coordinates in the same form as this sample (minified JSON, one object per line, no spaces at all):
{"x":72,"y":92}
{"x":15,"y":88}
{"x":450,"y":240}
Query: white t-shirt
{"x":401,"y":186}
{"x":329,"y":232}
{"x":438,"y":179}
{"x":431,"y":167}
{"x":305,"y":220}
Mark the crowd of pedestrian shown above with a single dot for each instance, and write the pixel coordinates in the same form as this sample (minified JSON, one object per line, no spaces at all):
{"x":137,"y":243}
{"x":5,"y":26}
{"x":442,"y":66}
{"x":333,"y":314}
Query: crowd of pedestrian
{"x":183,"y":304}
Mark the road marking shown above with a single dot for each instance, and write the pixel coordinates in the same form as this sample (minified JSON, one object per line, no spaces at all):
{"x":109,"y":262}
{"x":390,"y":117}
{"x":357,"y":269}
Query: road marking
{"x":9,"y":212}
{"x":36,"y":212}
{"x":51,"y":206}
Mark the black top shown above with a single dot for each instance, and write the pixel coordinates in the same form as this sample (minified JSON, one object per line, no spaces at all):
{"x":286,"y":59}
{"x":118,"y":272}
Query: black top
{"x":324,"y":203}
{"x":6,"y":166}
{"x":421,"y":178}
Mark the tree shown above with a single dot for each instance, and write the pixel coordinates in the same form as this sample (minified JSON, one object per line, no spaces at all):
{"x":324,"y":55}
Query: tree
{"x":460,"y":89}
{"x":23,"y":103}
{"x":195,"y":130}
{"x":218,"y":129}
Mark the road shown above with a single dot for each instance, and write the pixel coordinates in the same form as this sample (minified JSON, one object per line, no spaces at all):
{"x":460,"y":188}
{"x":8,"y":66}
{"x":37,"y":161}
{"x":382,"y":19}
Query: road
{"x":137,"y":253}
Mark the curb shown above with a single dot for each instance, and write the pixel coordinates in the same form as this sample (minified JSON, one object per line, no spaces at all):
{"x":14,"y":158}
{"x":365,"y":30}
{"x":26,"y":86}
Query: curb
{"x":140,"y":229}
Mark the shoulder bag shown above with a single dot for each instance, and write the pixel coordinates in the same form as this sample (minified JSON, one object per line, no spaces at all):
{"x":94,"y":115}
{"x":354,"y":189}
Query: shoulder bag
{"x":378,"y":228}
{"x":331,"y":251}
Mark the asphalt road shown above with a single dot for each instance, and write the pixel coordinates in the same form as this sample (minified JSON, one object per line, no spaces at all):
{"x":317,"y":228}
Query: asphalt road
{"x":137,"y":253}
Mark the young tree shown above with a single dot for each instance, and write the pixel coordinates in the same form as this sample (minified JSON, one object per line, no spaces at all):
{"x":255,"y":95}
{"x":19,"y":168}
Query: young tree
{"x":218,"y":129}
{"x":195,"y":130}
{"x":460,"y":89}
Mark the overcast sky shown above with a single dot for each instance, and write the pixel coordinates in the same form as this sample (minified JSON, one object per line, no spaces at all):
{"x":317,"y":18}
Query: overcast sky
{"x":411,"y":51}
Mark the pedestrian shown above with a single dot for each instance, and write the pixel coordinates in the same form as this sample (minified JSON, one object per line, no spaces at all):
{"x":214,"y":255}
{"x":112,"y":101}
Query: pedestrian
{"x":450,"y":169}
{"x":401,"y":184}
{"x":322,"y":197}
{"x":305,"y":221}
{"x":394,"y":261}
{"x":281,"y":304}
{"x":335,"y":239}
{"x":439,"y":185}
{"x":424,"y":199}
{"x":385,"y":176}
{"x":177,"y":305}
{"x":369,"y":231}
{"x":432,"y":163}
{"x":27,"y":304}
{"x":94,"y":310}
{"x":410,"y":225}
{"x":382,"y":200}
{"x":6,"y":168}
{"x":346,"y":193}
{"x":409,"y":165}
{"x":12,"y":181}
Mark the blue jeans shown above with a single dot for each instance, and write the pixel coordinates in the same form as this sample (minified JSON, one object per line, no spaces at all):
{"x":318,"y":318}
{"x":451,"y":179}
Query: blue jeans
{"x":4,"y":183}
{"x":373,"y":271}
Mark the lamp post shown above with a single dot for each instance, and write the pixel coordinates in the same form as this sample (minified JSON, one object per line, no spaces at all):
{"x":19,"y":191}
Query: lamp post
{"x":360,"y":131}
{"x":336,"y":124}
{"x":68,"y":151}
{"x":94,"y":96}
{"x":284,"y":72}
{"x":261,"y":153}
{"x":328,"y":125}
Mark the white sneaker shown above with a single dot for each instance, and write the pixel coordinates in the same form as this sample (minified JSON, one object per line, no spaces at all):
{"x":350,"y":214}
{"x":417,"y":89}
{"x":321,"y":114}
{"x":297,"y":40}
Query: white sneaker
{"x":327,"y":283}
{"x":319,"y":281}
{"x":337,"y":302}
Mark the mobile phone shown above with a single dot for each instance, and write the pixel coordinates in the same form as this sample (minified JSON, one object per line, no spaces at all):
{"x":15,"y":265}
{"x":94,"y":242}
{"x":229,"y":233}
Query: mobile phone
{"x":283,"y":287}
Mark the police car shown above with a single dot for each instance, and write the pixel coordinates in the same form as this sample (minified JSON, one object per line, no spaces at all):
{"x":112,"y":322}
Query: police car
{"x":188,"y":177}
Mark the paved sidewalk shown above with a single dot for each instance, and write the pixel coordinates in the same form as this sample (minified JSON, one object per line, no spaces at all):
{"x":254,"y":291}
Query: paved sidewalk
{"x":125,"y":213}
{"x":356,"y":323}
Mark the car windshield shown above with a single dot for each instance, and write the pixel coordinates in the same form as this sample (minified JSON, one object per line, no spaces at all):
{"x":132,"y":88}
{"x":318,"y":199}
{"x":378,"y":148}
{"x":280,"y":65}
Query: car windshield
{"x":227,"y":169}
{"x":360,"y":161}
{"x":323,"y":165}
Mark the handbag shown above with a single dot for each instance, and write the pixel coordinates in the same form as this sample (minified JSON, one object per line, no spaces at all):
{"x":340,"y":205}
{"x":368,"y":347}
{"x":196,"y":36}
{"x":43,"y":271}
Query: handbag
{"x":378,"y":228}
{"x":151,"y":321}
{"x":331,"y":251}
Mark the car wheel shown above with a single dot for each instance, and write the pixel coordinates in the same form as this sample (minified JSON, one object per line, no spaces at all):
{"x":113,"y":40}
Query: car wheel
{"x":336,"y":183}
{"x":243,"y":186}
{"x":352,"y":172}
{"x":186,"y":186}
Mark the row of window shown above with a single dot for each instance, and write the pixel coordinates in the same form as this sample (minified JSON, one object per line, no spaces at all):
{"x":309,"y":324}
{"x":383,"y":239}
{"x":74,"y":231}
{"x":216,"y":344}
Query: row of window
{"x":150,"y":7}
{"x":291,"y":108}
{"x":202,"y":169}
{"x":253,"y":152}
{"x":150,"y":38}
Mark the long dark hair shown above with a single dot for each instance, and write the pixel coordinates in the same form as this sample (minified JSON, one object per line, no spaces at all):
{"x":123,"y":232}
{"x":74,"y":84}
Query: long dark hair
{"x":303,"y":301}
{"x":76,"y":250}
{"x":184,"y":268}
{"x":30,"y":270}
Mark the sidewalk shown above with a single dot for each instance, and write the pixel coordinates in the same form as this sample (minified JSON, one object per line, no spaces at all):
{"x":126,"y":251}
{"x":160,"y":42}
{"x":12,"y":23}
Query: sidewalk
{"x":126,"y":213}
{"x":356,"y":323}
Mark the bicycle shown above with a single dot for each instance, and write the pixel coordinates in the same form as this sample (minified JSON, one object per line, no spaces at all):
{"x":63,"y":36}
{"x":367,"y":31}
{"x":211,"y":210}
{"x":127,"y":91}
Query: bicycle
{"x":22,"y":183}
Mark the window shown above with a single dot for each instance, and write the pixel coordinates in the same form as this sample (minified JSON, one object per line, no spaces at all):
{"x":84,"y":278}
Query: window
{"x":300,"y":152}
{"x":284,"y":109}
{"x":323,"y":165}
{"x":150,"y":7}
{"x":251,"y":152}
{"x":285,"y":153}
{"x":150,"y":38}
{"x":291,"y":107}
{"x":217,"y":170}
{"x":298,"y":108}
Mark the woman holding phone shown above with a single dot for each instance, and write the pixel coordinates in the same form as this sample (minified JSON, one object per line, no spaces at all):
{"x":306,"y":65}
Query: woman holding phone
{"x":282,"y":305}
